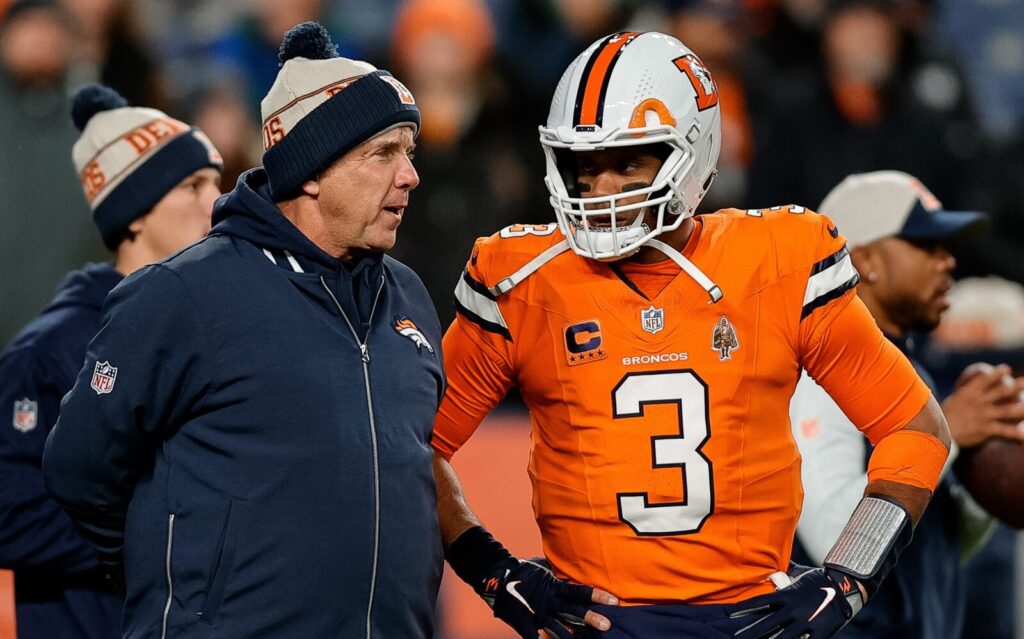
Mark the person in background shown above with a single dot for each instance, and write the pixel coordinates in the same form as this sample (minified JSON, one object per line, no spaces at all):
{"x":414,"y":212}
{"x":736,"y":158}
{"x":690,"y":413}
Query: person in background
{"x":150,"y":182}
{"x":897,"y":232}
{"x":38,"y":185}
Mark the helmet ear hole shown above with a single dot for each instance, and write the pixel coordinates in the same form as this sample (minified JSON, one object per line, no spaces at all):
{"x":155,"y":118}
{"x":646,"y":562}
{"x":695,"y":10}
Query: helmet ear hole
{"x":707,"y":183}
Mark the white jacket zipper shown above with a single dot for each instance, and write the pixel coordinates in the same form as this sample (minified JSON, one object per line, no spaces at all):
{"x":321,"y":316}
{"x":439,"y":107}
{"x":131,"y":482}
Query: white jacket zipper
{"x":365,"y":356}
{"x":170,"y":583}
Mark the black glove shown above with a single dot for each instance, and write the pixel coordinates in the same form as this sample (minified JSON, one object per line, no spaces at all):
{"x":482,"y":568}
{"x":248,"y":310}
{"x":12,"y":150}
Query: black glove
{"x":528,"y":597}
{"x":523,"y":594}
{"x":817,"y":604}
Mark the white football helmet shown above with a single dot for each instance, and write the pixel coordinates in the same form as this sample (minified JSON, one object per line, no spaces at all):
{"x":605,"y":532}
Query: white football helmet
{"x":631,"y":89}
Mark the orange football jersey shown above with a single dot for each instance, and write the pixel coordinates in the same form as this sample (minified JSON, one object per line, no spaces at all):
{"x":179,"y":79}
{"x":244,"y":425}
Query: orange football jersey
{"x":663,"y":465}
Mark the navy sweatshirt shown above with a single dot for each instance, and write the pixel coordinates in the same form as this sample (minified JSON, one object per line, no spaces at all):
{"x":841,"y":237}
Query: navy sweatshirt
{"x":250,"y":438}
{"x":59,"y":588}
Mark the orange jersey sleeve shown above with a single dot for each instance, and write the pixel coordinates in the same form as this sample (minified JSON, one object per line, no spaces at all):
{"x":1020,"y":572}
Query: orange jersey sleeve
{"x":478,"y":346}
{"x":478,"y":378}
{"x":867,"y":376}
{"x":837,"y":340}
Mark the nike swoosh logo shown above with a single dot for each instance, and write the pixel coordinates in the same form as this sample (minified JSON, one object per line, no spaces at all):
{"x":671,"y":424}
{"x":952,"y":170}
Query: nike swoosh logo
{"x":830,"y":594}
{"x":512,"y":590}
{"x":833,"y":231}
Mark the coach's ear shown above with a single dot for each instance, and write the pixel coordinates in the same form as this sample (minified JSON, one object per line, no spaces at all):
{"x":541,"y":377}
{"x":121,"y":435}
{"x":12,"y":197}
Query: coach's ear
{"x":311,"y":187}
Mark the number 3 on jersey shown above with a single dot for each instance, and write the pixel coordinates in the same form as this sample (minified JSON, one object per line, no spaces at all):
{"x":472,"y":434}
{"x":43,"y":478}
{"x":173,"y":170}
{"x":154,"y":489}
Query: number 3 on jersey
{"x":690,"y":395}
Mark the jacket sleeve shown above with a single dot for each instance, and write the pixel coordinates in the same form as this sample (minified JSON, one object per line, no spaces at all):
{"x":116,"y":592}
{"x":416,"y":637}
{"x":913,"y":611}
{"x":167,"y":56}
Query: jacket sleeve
{"x":35,"y":534}
{"x":140,"y":381}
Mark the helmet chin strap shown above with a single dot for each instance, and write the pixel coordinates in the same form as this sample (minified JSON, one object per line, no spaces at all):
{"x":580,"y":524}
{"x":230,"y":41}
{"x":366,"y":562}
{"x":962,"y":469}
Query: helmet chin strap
{"x":689,"y":267}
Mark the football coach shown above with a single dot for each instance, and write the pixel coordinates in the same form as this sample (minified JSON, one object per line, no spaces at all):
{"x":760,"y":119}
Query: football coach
{"x":248,"y":441}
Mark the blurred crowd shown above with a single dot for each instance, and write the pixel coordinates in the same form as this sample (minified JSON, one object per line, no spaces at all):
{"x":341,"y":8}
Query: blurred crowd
{"x":811,"y":90}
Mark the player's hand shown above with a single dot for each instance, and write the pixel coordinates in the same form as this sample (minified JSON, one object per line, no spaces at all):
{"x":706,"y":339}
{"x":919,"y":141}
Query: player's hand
{"x":986,"y":403}
{"x":528,"y":597}
{"x":818,"y":603}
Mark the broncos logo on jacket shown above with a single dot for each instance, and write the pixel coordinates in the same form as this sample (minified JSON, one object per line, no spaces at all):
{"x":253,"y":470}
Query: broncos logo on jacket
{"x":407,"y":327}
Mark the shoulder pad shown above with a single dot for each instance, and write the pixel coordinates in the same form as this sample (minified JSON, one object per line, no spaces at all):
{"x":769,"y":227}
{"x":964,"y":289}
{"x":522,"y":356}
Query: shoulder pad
{"x":503,"y":260}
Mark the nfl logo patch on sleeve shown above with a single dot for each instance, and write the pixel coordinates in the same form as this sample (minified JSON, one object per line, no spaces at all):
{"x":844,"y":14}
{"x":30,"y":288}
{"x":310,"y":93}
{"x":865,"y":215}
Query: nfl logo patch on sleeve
{"x":103,"y":377}
{"x":26,"y":413}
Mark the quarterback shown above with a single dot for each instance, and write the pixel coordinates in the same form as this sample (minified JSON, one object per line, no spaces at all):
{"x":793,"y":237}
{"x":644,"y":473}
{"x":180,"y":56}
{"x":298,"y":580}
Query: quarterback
{"x":657,"y":353}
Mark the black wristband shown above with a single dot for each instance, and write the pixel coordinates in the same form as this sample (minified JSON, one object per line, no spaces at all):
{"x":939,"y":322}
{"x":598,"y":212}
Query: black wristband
{"x":474,"y":555}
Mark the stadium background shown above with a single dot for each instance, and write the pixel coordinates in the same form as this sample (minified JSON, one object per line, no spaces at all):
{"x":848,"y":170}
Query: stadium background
{"x":811,"y":90}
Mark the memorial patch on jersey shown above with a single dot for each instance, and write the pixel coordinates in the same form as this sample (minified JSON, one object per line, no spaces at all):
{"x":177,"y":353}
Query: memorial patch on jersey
{"x":829,"y":279}
{"x":724,"y":339}
{"x":26,"y":414}
{"x":583,"y":343}
{"x":103,"y":377}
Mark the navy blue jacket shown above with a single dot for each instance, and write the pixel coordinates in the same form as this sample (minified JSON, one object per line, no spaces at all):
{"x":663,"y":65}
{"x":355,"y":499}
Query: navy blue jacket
{"x":59,"y":588}
{"x":259,"y":469}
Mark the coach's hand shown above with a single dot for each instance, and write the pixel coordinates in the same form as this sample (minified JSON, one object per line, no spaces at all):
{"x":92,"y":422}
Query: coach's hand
{"x":818,"y":603}
{"x":528,"y":597}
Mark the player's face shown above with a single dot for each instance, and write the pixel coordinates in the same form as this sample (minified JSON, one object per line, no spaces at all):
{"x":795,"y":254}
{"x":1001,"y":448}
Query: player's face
{"x":182,"y":217}
{"x":917,"y":277}
{"x":364,"y":194}
{"x":616,"y":170}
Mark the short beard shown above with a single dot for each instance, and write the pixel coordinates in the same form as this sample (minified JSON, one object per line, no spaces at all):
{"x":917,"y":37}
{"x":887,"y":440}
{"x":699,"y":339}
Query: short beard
{"x":911,"y":315}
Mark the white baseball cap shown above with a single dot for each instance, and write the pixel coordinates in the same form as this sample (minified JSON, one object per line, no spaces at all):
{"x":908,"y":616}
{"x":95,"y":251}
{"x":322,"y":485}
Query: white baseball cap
{"x":870,"y":206}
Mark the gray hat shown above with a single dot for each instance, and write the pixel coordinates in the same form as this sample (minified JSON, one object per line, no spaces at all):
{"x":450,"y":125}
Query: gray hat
{"x":870,"y":206}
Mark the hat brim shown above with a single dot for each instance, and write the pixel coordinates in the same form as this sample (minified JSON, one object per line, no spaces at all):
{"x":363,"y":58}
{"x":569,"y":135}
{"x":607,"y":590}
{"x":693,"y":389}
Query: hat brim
{"x":941,"y":224}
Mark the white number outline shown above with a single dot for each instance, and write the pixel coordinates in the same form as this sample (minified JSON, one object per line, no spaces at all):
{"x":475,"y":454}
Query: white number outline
{"x":539,"y":230}
{"x":688,"y":487}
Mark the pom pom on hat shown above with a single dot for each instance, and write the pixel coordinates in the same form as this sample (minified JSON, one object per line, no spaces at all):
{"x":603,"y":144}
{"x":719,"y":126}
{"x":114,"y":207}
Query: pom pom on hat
{"x":307,"y":40}
{"x":92,"y":99}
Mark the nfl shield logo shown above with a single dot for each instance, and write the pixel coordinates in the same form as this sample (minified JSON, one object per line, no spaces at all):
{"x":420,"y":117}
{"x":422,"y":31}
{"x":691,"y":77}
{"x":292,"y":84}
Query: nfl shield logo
{"x":653,"y":319}
{"x":103,"y":377}
{"x":25,"y":413}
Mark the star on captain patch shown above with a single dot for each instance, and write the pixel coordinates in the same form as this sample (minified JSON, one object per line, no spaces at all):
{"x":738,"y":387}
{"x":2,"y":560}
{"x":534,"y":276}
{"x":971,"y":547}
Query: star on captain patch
{"x":26,"y":413}
{"x":724,"y":340}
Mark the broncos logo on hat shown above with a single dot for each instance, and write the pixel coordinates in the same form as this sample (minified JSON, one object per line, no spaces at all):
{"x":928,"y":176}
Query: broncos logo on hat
{"x":407,"y":327}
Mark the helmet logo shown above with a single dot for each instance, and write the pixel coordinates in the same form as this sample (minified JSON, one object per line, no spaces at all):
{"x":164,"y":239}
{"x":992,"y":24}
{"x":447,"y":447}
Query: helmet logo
{"x":700,"y":78}
{"x":639,"y":117}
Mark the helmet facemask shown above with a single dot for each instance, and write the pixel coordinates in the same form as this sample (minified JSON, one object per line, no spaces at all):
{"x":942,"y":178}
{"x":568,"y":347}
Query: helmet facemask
{"x":604,"y":227}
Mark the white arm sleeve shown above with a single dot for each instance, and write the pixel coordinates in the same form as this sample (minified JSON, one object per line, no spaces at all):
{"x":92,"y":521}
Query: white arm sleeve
{"x":833,"y":469}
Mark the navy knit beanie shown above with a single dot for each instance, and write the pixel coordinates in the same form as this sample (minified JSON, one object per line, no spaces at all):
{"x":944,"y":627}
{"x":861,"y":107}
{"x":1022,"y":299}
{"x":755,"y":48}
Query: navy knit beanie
{"x":128,"y":158}
{"x":321,"y":106}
